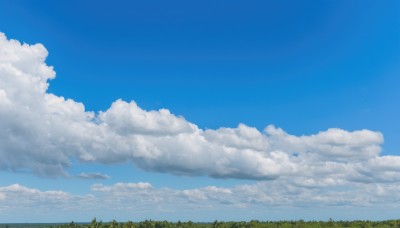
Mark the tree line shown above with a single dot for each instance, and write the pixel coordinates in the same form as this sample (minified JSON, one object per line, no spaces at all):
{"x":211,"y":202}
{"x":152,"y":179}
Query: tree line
{"x":251,"y":224}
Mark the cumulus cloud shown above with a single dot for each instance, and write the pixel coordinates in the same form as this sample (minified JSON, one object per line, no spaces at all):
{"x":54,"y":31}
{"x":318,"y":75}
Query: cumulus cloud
{"x":127,"y":118}
{"x":18,"y":197}
{"x":333,"y":144}
{"x":42,"y":133}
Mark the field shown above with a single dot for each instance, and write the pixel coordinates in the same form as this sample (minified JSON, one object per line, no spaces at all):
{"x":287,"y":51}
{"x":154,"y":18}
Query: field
{"x":216,"y":224}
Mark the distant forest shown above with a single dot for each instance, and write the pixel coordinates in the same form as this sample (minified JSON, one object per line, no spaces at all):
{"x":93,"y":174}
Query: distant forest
{"x":217,"y":224}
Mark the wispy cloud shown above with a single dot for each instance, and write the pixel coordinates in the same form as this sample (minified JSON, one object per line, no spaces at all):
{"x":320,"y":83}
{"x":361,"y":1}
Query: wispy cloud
{"x":93,"y":176}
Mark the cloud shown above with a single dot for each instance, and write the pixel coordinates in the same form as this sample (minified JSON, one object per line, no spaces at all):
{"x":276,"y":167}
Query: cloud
{"x":17,"y":197}
{"x":122,"y":187}
{"x":42,"y":133}
{"x":128,"y":119}
{"x":332,"y":144}
{"x":93,"y":176}
{"x":143,"y":201}
{"x":19,"y":203}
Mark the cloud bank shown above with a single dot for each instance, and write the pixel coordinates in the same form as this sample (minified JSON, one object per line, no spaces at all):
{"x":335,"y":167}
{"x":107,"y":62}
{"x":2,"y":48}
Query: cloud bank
{"x":139,"y":201}
{"x":42,"y":133}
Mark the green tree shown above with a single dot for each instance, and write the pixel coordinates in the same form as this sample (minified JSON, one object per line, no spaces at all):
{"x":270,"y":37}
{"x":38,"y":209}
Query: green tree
{"x":129,"y":224}
{"x":94,"y":223}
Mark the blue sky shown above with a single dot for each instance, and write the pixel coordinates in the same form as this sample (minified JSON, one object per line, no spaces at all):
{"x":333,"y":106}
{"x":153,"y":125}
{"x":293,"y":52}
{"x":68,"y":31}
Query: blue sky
{"x":304,"y":67}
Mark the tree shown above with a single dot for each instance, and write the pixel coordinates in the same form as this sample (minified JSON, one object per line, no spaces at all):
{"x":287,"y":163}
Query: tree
{"x":94,"y":223}
{"x":114,"y":224}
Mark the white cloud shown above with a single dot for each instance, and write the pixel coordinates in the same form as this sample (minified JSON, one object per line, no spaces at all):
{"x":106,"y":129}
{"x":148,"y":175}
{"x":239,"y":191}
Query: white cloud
{"x":17,"y":197}
{"x":143,"y":201}
{"x":127,"y":118}
{"x":92,"y":176}
{"x":122,"y":187}
{"x":41,"y":132}
{"x":333,"y":144}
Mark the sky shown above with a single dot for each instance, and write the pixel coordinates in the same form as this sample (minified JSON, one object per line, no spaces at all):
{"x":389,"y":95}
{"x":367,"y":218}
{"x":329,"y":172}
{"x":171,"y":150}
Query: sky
{"x":199,"y":110}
